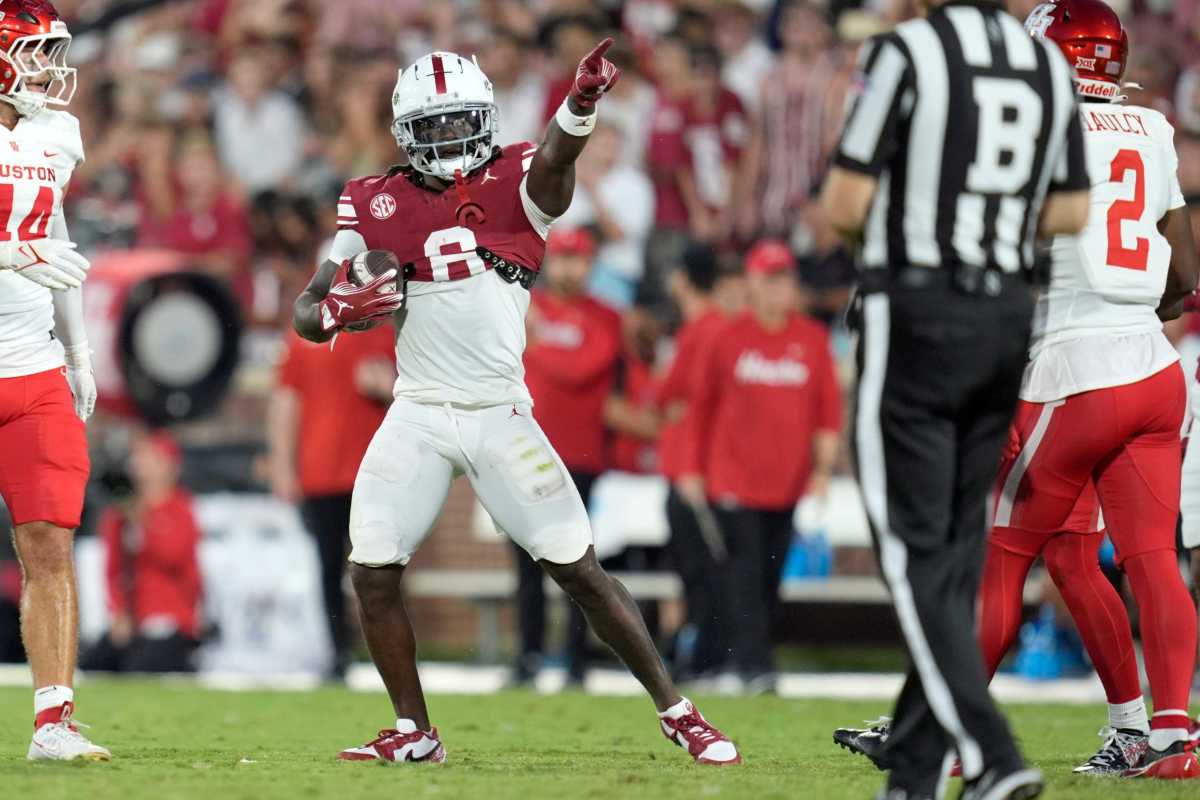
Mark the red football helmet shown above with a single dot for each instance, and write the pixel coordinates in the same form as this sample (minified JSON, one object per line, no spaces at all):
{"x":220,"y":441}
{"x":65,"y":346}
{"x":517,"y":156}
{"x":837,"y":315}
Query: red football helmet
{"x":1091,"y":36}
{"x":33,"y":53}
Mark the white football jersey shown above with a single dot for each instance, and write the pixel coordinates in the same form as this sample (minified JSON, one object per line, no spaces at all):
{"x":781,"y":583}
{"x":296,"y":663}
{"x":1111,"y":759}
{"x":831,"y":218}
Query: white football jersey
{"x":1095,"y":325}
{"x":37,"y":158}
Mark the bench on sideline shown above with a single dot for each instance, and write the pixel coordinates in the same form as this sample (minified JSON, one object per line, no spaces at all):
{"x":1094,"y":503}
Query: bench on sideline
{"x":490,"y":589}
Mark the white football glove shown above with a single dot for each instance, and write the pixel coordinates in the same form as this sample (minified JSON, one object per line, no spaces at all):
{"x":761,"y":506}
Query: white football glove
{"x":52,"y":263}
{"x":81,"y":379}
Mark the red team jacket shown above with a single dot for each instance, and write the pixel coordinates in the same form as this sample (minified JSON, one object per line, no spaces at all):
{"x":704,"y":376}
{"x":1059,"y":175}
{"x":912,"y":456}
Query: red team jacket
{"x":570,"y":369}
{"x":437,"y":231}
{"x":679,"y":386}
{"x":760,"y":397}
{"x":152,"y":568}
{"x":337,"y":421}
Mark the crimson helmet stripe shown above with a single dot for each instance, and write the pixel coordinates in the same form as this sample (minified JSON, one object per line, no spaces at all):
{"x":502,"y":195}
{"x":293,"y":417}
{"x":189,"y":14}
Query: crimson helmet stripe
{"x":439,"y":75}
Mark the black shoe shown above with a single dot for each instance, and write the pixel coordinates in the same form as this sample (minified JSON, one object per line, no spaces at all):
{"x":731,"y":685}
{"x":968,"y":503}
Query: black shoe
{"x":867,"y":741}
{"x":761,"y":683}
{"x":1122,"y":751}
{"x":524,"y":672}
{"x":1004,"y":783}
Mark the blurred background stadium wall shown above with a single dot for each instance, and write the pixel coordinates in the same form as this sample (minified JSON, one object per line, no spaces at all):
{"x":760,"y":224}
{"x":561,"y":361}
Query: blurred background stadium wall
{"x":219,"y":134}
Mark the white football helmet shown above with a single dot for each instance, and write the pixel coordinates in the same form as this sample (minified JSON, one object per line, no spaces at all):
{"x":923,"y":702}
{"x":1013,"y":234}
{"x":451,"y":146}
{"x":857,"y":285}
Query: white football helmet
{"x":445,"y":115}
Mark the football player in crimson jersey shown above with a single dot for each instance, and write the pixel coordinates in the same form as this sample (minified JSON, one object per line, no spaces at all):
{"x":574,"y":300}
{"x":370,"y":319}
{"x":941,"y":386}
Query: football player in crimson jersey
{"x":1102,"y":404}
{"x":46,"y":385}
{"x":469,"y":220}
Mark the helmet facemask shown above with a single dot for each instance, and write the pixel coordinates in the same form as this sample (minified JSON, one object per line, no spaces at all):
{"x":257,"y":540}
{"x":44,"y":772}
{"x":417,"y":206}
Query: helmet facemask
{"x":31,"y":59}
{"x":447,"y":139}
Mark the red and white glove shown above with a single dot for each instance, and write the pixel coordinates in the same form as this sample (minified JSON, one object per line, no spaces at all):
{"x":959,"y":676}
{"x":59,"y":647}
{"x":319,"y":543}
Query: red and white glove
{"x":346,"y":303}
{"x":595,"y":76}
{"x":52,"y":263}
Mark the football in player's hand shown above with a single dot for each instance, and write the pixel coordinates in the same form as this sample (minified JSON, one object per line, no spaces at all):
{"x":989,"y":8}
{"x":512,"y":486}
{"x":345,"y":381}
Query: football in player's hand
{"x":370,"y":264}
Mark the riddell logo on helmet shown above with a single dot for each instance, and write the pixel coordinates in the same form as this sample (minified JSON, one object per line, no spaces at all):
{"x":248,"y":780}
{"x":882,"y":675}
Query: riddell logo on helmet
{"x":383,"y":205}
{"x":1098,"y":88}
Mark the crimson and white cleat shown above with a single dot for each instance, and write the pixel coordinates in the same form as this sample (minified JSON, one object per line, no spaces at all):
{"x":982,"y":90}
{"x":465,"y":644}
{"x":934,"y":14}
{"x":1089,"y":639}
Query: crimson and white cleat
{"x":62,"y":741}
{"x":407,"y":744}
{"x":1177,"y":763}
{"x":690,"y":730}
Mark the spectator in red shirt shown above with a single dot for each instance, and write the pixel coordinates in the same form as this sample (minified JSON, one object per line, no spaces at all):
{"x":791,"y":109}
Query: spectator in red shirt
{"x":765,"y":422}
{"x":630,"y":411}
{"x":326,"y":406}
{"x":151,"y":568}
{"x":204,"y":218}
{"x":696,"y":547}
{"x":667,"y":160}
{"x":716,"y":133}
{"x":571,"y":358}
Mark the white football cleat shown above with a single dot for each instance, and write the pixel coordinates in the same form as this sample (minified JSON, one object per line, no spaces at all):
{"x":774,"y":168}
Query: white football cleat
{"x":62,"y":741}
{"x":704,"y":743}
{"x":394,"y":745}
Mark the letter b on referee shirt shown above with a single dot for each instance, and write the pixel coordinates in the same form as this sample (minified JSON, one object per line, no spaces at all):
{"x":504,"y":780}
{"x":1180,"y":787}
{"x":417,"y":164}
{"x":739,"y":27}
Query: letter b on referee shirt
{"x":1010,"y":117}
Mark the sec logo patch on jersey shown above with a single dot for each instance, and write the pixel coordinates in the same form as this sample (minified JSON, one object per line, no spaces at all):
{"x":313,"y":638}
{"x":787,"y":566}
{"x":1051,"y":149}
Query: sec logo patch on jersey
{"x":383,"y":206}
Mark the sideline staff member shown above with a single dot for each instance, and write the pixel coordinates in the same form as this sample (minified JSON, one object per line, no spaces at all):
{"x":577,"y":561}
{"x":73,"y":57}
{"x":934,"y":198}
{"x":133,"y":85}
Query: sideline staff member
{"x":964,"y":140}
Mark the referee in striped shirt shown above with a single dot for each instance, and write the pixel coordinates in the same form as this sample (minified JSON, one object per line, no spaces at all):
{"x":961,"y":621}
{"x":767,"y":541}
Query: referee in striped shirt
{"x":962,"y":145}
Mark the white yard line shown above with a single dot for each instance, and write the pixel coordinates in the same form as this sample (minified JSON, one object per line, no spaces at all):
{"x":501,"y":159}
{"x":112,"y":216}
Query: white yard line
{"x":451,"y":678}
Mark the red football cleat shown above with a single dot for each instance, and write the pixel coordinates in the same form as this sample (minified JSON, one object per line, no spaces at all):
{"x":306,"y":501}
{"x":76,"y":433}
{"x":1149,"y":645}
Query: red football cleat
{"x":392,"y":745}
{"x":704,"y":743}
{"x":1177,"y":763}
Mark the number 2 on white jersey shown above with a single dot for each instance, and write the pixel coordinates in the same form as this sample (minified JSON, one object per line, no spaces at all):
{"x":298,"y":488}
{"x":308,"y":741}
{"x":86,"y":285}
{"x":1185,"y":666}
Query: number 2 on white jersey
{"x":1120,"y":211}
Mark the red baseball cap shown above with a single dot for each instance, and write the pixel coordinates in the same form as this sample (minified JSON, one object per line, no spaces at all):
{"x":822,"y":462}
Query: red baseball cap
{"x":164,"y":443}
{"x":571,"y":241}
{"x":769,"y":256}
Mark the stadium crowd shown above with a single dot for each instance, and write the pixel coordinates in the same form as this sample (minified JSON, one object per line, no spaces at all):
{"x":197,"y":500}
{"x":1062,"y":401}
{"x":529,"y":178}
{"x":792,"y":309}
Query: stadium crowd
{"x":224,"y":130}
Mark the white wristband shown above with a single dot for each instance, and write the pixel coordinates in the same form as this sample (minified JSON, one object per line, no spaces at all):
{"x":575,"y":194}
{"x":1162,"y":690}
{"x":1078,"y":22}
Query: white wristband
{"x":573,"y":124}
{"x":78,"y":356}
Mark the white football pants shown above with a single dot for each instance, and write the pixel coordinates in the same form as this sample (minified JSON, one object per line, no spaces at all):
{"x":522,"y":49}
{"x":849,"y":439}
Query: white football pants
{"x":417,"y":452}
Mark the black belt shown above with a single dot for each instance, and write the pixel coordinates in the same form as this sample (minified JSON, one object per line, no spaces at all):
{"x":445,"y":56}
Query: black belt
{"x":510,"y":271}
{"x":968,"y":280}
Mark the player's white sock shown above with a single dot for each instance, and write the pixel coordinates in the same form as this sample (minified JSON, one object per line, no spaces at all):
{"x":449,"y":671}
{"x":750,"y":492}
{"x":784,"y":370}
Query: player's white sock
{"x":1129,"y":716}
{"x":1162,"y":738}
{"x":684,"y":706}
{"x":50,"y":697}
{"x":406,"y":726}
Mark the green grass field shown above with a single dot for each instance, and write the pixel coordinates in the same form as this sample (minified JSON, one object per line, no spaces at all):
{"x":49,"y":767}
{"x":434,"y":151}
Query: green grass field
{"x":173,"y":741}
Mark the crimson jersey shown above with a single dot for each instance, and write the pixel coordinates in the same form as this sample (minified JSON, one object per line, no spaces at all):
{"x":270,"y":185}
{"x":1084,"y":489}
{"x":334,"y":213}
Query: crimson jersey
{"x":462,"y":331}
{"x":437,"y":232}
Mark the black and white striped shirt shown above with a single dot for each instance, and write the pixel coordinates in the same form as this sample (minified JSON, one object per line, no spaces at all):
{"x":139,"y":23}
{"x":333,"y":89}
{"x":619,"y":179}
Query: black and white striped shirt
{"x":967,"y":122}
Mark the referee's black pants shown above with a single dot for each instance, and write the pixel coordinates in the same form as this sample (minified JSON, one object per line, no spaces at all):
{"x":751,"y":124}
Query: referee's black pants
{"x":939,"y":373}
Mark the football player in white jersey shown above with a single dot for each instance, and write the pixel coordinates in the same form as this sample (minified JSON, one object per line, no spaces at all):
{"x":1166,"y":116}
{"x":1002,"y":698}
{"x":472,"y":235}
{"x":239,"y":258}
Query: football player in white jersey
{"x":470,"y":221}
{"x":1104,"y":398}
{"x":46,"y":385}
{"x":1103,"y":401}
